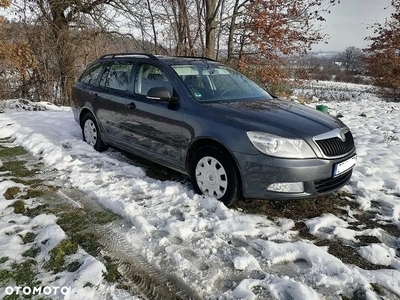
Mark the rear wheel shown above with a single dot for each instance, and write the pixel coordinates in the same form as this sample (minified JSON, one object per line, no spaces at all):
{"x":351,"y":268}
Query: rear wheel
{"x":91,"y":133}
{"x":213,"y":174}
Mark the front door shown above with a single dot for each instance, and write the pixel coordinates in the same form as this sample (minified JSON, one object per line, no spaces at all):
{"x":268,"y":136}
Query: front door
{"x":154,"y":127}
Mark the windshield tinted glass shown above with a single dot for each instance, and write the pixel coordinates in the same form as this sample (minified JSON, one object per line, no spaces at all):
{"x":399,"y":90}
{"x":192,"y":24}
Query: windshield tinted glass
{"x":218,"y":83}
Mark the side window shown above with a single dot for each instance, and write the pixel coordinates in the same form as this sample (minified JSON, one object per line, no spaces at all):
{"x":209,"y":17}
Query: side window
{"x":117,"y":76}
{"x":149,"y":76}
{"x":91,"y":75}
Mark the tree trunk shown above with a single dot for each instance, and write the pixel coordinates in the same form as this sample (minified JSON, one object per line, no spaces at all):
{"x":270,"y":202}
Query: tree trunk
{"x":66,"y":59}
{"x":220,"y":29}
{"x":232,"y":28}
{"x":153,"y":27}
{"x":179,"y":28}
{"x":211,"y":6}
{"x":199,"y":8}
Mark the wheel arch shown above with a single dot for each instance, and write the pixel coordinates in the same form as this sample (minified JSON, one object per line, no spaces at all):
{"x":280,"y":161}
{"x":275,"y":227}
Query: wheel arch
{"x":202,"y":142}
{"x":85,"y":110}
{"x":100,"y":145}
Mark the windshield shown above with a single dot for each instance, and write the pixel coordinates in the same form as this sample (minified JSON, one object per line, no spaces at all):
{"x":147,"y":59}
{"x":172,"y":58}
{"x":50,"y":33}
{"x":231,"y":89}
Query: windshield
{"x":218,"y":83}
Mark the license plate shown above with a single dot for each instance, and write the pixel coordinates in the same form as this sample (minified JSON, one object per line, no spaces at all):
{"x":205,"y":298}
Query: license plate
{"x":344,"y":166}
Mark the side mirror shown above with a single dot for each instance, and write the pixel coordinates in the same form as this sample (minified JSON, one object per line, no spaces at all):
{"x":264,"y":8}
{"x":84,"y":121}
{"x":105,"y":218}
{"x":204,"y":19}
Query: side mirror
{"x":161,"y":93}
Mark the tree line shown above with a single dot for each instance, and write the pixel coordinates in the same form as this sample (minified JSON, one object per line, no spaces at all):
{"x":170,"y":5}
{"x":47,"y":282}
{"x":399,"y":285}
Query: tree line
{"x":51,"y":41}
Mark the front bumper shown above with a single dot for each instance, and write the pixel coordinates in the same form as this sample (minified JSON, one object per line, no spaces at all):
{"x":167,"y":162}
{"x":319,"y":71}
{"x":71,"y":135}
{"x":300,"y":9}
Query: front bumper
{"x":260,"y":171}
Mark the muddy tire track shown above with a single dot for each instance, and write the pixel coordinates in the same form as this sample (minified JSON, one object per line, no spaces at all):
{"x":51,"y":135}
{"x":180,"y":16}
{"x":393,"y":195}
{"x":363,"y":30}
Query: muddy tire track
{"x":146,"y":279}
{"x":151,"y":282}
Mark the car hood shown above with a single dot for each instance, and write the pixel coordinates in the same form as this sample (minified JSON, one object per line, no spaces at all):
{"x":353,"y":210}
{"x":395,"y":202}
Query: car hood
{"x":278,"y":116}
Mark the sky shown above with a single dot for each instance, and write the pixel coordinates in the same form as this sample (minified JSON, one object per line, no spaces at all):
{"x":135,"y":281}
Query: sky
{"x":348,"y":21}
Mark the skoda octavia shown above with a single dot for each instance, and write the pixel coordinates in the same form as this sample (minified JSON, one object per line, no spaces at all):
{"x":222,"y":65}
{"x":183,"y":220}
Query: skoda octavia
{"x":201,"y":118}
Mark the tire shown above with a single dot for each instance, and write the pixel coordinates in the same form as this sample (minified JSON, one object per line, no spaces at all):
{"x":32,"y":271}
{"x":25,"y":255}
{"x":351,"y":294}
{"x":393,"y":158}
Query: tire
{"x":213,"y":173}
{"x":91,"y":133}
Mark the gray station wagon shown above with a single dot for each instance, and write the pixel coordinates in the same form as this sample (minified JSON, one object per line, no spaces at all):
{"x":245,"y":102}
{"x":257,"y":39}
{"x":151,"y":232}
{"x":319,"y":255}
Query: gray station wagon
{"x":201,"y":118}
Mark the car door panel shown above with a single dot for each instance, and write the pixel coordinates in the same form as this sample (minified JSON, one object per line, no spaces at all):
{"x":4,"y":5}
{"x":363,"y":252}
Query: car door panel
{"x":110,"y":111}
{"x":156,"y":129}
{"x":153,"y":126}
{"x":110,"y":98}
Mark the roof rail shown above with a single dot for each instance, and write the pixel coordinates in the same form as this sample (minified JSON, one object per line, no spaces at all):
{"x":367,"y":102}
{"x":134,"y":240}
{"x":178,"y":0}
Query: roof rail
{"x":113,"y":55}
{"x":197,"y":57}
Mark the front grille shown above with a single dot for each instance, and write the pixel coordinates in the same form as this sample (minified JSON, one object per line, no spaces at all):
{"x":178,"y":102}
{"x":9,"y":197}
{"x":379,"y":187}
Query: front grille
{"x":335,"y":147}
{"x":331,"y":184}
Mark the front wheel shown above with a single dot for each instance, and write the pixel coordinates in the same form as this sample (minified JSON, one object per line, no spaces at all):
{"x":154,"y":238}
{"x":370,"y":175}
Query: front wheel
{"x":213,"y":174}
{"x":91,"y":133}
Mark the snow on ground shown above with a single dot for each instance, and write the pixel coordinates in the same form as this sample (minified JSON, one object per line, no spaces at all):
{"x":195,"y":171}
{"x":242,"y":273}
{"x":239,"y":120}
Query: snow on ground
{"x":84,"y":283}
{"x":223,"y":253}
{"x":376,"y":128}
{"x":338,"y":86}
{"x":334,"y":91}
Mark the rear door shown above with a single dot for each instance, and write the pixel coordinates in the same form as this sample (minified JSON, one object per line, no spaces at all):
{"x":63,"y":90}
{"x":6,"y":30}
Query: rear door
{"x":109,"y":100}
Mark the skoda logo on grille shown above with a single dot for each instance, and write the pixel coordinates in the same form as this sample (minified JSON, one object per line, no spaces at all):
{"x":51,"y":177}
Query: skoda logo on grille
{"x":342,"y":136}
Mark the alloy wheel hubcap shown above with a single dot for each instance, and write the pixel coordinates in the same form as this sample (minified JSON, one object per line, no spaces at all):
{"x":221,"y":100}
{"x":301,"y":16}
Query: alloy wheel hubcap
{"x":90,"y":132}
{"x":211,"y":177}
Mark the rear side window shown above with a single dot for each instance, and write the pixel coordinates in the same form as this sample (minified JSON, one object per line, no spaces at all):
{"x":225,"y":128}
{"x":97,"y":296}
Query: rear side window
{"x":117,"y":76}
{"x":91,"y":75}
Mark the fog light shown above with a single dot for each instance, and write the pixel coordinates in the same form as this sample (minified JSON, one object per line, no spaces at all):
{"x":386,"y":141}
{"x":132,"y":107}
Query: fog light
{"x":286,"y":187}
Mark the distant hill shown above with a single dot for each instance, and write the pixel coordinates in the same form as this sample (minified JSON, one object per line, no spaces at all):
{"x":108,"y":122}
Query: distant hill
{"x":324,"y":53}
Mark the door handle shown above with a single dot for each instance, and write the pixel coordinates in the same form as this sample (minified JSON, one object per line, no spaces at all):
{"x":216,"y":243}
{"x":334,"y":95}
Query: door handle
{"x":131,"y":106}
{"x":95,"y":96}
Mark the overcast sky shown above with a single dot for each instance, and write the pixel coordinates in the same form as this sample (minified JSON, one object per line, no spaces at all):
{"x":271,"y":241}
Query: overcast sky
{"x":347,"y":22}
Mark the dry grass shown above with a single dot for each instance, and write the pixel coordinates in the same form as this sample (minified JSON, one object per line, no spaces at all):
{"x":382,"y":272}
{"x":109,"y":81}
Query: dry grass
{"x":297,"y":210}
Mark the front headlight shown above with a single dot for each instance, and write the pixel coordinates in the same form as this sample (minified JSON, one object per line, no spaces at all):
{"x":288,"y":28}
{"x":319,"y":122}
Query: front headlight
{"x":274,"y":145}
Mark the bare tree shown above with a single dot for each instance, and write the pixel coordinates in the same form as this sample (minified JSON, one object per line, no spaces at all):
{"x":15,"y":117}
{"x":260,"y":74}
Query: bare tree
{"x":351,"y":58}
{"x":204,"y":26}
{"x":62,"y":19}
{"x":184,"y":45}
{"x":153,"y":25}
{"x":211,"y":12}
{"x":233,"y":26}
